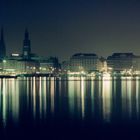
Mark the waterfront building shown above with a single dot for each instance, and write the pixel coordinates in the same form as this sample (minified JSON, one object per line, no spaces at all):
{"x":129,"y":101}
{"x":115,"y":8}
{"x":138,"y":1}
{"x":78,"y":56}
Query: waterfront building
{"x":2,"y":45}
{"x":47,"y":64}
{"x":102,"y":66}
{"x":10,"y":66}
{"x":84,"y":62}
{"x":136,"y":63}
{"x":13,"y":66}
{"x":27,"y":62}
{"x":29,"y":67}
{"x":65,"y":66}
{"x":120,"y":61}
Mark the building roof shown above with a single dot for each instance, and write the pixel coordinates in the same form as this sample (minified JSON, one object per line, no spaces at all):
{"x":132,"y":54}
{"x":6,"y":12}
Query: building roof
{"x":84,"y":54}
{"x":121,"y":55}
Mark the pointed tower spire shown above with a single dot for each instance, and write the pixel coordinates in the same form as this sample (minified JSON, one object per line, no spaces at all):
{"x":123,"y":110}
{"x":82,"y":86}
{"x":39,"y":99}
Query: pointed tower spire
{"x":26,"y":34}
{"x":2,"y":36}
{"x":2,"y":45}
{"x":26,"y":46}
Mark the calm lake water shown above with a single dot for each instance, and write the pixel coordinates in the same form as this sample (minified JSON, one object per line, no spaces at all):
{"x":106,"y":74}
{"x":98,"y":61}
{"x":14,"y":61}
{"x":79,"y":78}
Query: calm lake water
{"x":48,"y":107}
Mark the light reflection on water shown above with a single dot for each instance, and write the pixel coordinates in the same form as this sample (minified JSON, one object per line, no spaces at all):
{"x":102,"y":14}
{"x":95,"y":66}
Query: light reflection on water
{"x":107,"y":99}
{"x":42,"y":98}
{"x":9,"y":100}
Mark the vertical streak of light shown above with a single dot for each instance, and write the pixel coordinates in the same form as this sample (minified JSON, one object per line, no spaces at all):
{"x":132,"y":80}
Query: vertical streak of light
{"x":45,"y":97}
{"x":40,"y":97}
{"x":92,"y":97}
{"x":15,"y":99}
{"x":71,"y":97}
{"x":129,"y":93}
{"x":52,"y":96}
{"x":124,"y":96}
{"x":106,"y":95}
{"x":12,"y":95}
{"x":115,"y":98}
{"x":4,"y":110}
{"x":100,"y":88}
{"x":27,"y":92}
{"x":31,"y":93}
{"x":82,"y":96}
{"x":77,"y":94}
{"x":34,"y":97}
{"x":137,"y":98}
{"x":114,"y":88}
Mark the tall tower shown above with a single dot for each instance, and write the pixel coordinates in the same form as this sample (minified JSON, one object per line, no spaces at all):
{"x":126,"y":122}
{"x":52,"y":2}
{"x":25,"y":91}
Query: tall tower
{"x":2,"y":46}
{"x":26,"y":46}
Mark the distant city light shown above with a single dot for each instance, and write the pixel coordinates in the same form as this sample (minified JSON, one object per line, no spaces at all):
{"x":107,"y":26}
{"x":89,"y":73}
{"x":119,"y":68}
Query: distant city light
{"x":15,"y":54}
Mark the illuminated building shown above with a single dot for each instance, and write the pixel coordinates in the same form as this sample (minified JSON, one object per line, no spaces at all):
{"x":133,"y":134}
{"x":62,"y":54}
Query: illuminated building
{"x":2,"y":46}
{"x":47,"y":64}
{"x":65,"y":66}
{"x":136,"y":63}
{"x":26,"y":62}
{"x":120,"y":61}
{"x":29,"y":67}
{"x":9,"y":65}
{"x":84,"y":62}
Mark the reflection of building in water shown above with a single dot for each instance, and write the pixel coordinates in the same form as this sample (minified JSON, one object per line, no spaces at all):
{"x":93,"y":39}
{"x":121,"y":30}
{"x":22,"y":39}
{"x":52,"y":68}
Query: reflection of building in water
{"x":71,"y":97}
{"x":130,"y":99}
{"x":137,"y":99}
{"x":52,"y":94}
{"x":76,"y":98}
{"x":96,"y":99}
{"x":14,"y":98}
{"x":126,"y":99}
{"x":9,"y":97}
{"x":42,"y":97}
{"x":4,"y":102}
{"x":36,"y":97}
{"x":83,"y":98}
{"x":92,"y":96}
{"x":107,"y":100}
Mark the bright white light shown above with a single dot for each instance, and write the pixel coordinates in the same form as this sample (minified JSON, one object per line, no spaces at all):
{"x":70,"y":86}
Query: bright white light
{"x":15,"y":54}
{"x":106,"y":76}
{"x":4,"y":61}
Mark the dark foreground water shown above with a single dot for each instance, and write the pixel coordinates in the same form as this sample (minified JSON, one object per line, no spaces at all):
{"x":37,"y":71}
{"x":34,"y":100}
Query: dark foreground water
{"x":69,"y":109}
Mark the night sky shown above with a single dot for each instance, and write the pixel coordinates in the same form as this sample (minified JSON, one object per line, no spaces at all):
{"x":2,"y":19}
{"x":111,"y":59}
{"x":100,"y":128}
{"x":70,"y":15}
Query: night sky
{"x":64,"y":27}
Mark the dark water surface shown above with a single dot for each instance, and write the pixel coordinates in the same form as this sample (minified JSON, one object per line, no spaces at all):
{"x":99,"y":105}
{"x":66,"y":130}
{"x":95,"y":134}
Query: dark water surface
{"x":69,"y":109}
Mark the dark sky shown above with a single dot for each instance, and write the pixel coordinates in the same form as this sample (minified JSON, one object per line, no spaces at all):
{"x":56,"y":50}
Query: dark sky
{"x":64,"y":27}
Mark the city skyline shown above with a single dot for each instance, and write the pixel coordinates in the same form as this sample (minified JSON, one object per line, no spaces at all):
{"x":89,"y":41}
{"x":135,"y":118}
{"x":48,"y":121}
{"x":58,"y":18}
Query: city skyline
{"x":27,"y":42}
{"x":62,"y":28}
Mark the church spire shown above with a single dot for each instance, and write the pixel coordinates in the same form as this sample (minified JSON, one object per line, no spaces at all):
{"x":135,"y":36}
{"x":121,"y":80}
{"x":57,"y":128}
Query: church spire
{"x":26,"y":46}
{"x":2,"y":36}
{"x":26,"y":34}
{"x":2,"y":45}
